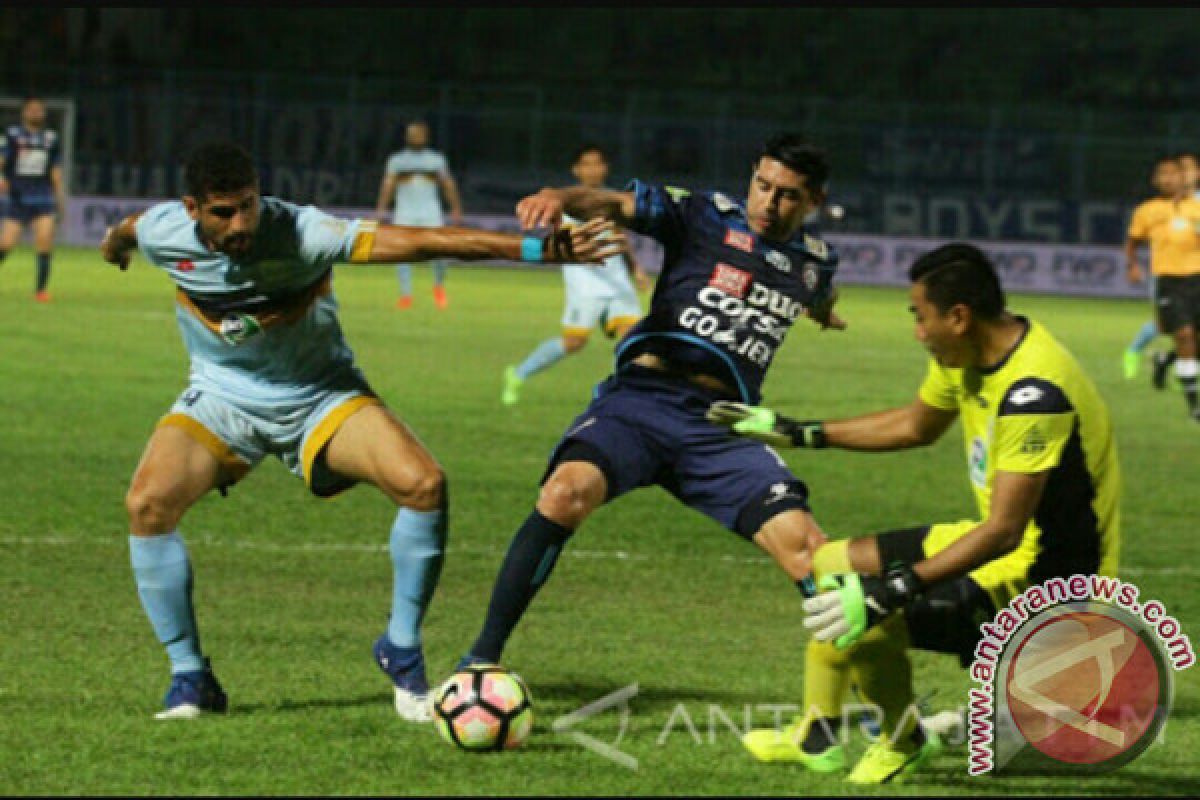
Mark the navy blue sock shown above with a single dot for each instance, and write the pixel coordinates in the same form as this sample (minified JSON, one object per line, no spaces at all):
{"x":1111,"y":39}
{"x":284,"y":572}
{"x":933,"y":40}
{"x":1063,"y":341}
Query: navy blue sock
{"x":43,"y":271}
{"x":531,"y":557}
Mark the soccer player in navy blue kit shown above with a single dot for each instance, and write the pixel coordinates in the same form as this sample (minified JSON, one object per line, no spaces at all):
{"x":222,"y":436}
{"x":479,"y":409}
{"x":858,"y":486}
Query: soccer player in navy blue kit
{"x":734,"y":279}
{"x":31,"y":187}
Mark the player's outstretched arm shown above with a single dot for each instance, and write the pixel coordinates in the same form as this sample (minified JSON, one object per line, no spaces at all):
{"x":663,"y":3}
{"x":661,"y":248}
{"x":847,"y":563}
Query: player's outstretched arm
{"x":591,"y":242}
{"x":120,"y":241}
{"x":914,"y":425}
{"x":545,"y":209}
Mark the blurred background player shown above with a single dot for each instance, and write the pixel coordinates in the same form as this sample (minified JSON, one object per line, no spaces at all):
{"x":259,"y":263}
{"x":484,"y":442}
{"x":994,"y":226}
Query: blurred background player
{"x":415,"y":180}
{"x":1043,"y":464}
{"x":1132,"y":358}
{"x":31,"y":177}
{"x":272,"y":374}
{"x":1170,"y":223}
{"x":595,"y":295}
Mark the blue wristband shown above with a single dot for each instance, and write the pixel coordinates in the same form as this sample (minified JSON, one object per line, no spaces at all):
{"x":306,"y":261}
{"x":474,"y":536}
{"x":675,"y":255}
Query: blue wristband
{"x":531,"y":249}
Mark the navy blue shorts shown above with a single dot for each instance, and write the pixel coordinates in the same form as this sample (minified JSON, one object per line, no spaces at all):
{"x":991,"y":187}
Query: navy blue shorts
{"x":25,"y":212}
{"x":644,"y":428}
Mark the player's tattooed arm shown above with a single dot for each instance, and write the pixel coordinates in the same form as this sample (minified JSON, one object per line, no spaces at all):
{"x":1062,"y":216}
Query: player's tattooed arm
{"x":590,"y":242}
{"x":545,"y":209}
{"x":119,"y":242}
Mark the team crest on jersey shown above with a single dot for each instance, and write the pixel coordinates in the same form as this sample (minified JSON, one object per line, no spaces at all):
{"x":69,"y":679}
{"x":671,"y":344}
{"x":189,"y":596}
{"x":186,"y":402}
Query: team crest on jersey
{"x":778,"y":260}
{"x":723,"y":203}
{"x":810,"y":277}
{"x":740,"y":239}
{"x":815,"y":246}
{"x":730,"y":280}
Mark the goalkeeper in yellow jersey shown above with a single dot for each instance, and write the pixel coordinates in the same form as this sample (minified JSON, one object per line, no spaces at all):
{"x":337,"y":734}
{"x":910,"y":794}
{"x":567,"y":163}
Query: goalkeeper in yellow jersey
{"x":1042,"y":462}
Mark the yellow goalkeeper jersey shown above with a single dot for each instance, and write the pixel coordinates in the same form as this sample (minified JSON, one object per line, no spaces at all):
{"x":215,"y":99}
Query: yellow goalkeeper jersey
{"x":1036,"y":410}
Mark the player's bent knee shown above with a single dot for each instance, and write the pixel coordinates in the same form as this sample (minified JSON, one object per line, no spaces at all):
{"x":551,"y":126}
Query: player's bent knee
{"x":151,"y":511}
{"x":425,"y":491}
{"x":573,"y":344}
{"x":568,"y":499}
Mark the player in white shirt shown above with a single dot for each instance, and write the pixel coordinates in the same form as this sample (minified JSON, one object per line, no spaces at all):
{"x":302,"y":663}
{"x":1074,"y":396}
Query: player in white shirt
{"x":414,"y":182}
{"x":594,"y":295}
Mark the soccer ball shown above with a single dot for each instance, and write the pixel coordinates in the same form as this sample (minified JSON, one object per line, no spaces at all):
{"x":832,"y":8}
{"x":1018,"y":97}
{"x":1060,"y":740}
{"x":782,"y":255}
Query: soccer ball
{"x":483,"y":707}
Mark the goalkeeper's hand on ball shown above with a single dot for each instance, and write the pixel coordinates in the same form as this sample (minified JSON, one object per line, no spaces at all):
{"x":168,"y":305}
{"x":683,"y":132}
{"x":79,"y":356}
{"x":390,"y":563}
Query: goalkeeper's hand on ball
{"x":757,"y":422}
{"x":852,"y":603}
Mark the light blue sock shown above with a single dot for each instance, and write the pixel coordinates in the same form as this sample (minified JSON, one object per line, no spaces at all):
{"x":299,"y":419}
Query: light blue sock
{"x":164,"y":582}
{"x":417,"y":545}
{"x":1145,"y":336}
{"x":404,"y":273}
{"x":439,"y":271}
{"x":544,"y":355}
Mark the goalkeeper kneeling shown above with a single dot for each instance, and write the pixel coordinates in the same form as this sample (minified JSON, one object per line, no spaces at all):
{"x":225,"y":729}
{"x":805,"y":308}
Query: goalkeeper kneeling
{"x":1042,"y":461}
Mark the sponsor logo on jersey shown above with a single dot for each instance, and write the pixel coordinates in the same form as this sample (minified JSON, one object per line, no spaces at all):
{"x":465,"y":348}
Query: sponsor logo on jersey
{"x":740,"y":239}
{"x":779,"y":261}
{"x":810,"y":277}
{"x":730,"y":280}
{"x":185,"y":266}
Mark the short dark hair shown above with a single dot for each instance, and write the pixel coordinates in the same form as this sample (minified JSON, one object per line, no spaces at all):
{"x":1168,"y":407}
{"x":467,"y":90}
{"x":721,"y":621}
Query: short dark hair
{"x":218,"y":167}
{"x":1166,"y":158}
{"x":799,"y":155}
{"x":960,"y":273}
{"x":584,"y":149}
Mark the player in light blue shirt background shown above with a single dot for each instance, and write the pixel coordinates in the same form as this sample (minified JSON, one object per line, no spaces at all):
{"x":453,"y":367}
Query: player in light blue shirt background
{"x":414,"y":182}
{"x":602,"y":295}
{"x":272,"y":374}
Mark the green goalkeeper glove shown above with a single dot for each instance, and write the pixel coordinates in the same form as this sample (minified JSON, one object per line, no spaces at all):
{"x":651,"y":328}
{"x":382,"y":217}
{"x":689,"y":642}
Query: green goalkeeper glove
{"x":853,"y":603}
{"x":767,"y":426}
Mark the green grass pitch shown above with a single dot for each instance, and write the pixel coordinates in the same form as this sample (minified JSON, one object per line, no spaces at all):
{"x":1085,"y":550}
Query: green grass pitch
{"x":291,"y":591}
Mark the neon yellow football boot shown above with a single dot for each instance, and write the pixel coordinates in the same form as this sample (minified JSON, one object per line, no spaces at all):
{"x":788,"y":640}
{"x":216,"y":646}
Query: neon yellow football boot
{"x":770,"y":745}
{"x":883,"y":763}
{"x":512,"y":387}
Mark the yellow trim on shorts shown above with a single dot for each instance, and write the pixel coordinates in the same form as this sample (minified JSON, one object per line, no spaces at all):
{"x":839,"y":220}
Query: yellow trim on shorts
{"x":364,"y":241}
{"x":610,"y":327}
{"x":230,"y":461}
{"x":578,"y":333}
{"x":327,"y":427}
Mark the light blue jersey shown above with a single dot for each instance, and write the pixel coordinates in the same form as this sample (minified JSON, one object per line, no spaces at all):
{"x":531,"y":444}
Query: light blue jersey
{"x":417,"y":200}
{"x":261,"y":330}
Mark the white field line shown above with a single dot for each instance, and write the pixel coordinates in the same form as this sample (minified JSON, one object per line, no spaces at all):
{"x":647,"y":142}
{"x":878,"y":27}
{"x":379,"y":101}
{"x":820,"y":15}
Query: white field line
{"x":457,"y":549}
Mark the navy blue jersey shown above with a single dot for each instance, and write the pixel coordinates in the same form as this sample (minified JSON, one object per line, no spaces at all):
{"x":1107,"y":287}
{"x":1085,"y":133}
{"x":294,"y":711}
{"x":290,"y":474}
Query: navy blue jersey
{"x":725,"y":298}
{"x":29,"y":156}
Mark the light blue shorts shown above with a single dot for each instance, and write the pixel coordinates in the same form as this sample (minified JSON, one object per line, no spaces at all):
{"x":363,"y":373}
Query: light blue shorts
{"x":584,"y":312}
{"x":241,"y":433}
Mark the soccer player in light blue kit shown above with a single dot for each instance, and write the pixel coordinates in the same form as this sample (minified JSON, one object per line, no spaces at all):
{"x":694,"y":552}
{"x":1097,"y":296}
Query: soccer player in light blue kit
{"x":271,"y":373}
{"x":602,"y":295}
{"x":415,"y":180}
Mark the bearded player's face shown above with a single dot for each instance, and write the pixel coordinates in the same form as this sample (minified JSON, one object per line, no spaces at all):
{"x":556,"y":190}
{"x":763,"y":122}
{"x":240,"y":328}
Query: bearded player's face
{"x":227,"y":220}
{"x":778,"y":200}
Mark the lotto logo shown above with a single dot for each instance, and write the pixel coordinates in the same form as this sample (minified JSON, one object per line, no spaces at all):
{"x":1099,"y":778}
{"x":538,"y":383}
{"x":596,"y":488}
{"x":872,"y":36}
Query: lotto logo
{"x":740,"y":239}
{"x":730,"y":280}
